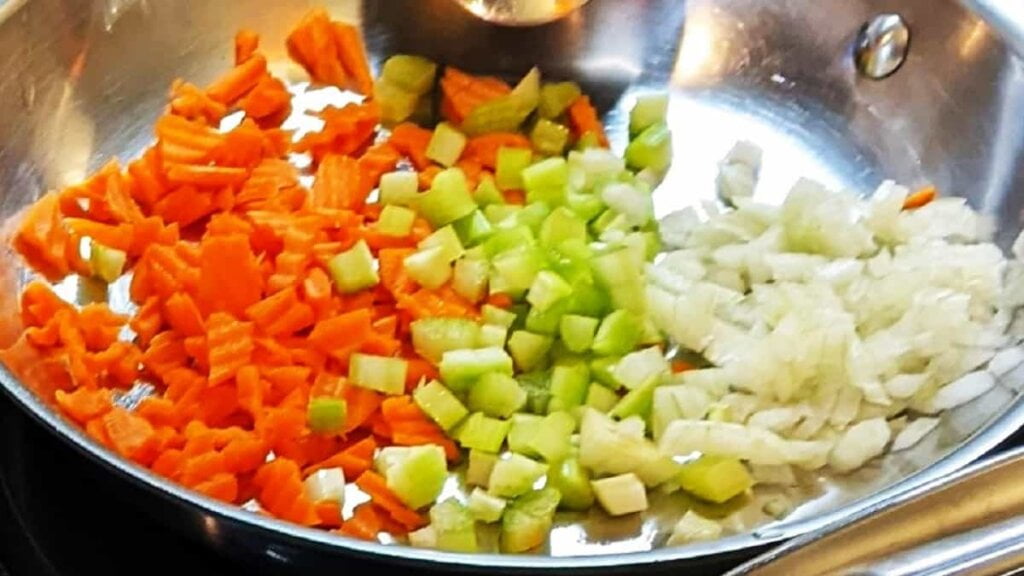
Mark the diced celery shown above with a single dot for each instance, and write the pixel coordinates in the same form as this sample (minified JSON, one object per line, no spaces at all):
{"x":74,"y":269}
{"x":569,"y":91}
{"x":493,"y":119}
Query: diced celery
{"x":497,"y":316}
{"x":107,"y":263}
{"x":520,"y":435}
{"x":637,"y":402}
{"x":556,"y":97}
{"x":454,"y":526}
{"x":425,"y":537}
{"x":589,"y":300}
{"x":326,"y":415}
{"x":622,"y":275}
{"x":448,"y":240}
{"x":432,"y":337}
{"x":514,"y":476}
{"x":650,"y":109}
{"x":630,"y":200}
{"x":621,"y":495}
{"x":603,"y":370}
{"x":418,"y":477}
{"x":562,"y":225}
{"x":389,"y":456}
{"x":527,"y":520}
{"x":413,"y":74}
{"x":618,"y":333}
{"x":511,"y":162}
{"x":326,"y":485}
{"x":487,"y":193}
{"x":586,"y":206}
{"x":446,"y":145}
{"x":547,"y":181}
{"x":515,"y":270}
{"x":473,"y":229}
{"x":529,"y":350}
{"x":549,"y":138}
{"x":379,"y":373}
{"x":469,"y":279}
{"x":578,"y":332}
{"x":493,"y":335}
{"x":547,"y":290}
{"x":478,"y":471}
{"x":485,"y":507}
{"x":608,"y":220}
{"x":637,"y":368}
{"x":354,"y":269}
{"x":500,"y":213}
{"x":507,"y":113}
{"x":440,"y":404}
{"x":496,"y":395}
{"x":399,"y":188}
{"x":569,"y":384}
{"x":573,"y":482}
{"x":395,"y":220}
{"x":538,"y":390}
{"x":715,"y":479}
{"x":429,"y":267}
{"x":447,"y":200}
{"x":533,"y":215}
{"x":480,"y":432}
{"x":460,"y":369}
{"x":505,"y":239}
{"x":546,"y":322}
{"x":651,"y":149}
{"x":396,"y":104}
{"x":598,"y":164}
{"x":551,"y":439}
{"x":601,"y":398}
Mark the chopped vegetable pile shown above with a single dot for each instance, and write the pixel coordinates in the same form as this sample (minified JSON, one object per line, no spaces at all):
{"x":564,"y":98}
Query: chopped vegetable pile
{"x":454,"y":275}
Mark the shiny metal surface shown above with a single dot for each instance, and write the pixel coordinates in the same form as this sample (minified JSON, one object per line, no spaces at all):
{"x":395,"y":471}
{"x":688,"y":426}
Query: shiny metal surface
{"x":83,"y":80}
{"x":521,"y":12}
{"x":881,"y":46}
{"x":968,"y":524}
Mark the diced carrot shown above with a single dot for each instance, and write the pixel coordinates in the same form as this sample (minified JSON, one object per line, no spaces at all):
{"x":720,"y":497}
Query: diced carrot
{"x":462,"y":93}
{"x":376,"y":487}
{"x":183,"y":315}
{"x":412,"y":141}
{"x":41,"y":238}
{"x":484,"y":149}
{"x":269,"y":97}
{"x":342,"y":335}
{"x":311,"y":44}
{"x":230,"y":278}
{"x":130,"y":435}
{"x":239,"y":80}
{"x":230,"y":346}
{"x":246,"y":43}
{"x":365,"y":523}
{"x":583,"y":119}
{"x":245,"y":455}
{"x":517,"y":197}
{"x":282,"y":493}
{"x":352,"y":54}
{"x":921,"y":197}
{"x":170,"y":464}
{"x":362,"y":403}
{"x":329,"y":513}
{"x":83,"y":405}
{"x":338,"y":184}
{"x":205,"y":176}
{"x":223,"y":487}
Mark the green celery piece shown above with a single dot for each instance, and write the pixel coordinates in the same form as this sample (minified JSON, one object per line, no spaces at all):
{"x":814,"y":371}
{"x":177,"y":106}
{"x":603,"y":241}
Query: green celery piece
{"x":597,"y":165}
{"x":547,"y":181}
{"x":418,"y":478}
{"x":608,"y":220}
{"x":520,"y":435}
{"x":589,"y":300}
{"x":429,"y":267}
{"x":389,"y":456}
{"x":493,"y":335}
{"x":474,"y":228}
{"x":107,"y":263}
{"x":454,"y":527}
{"x":354,"y":269}
{"x":425,"y":537}
{"x":498,"y":214}
{"x":478,"y":471}
{"x":527,"y":520}
{"x":498,"y":395}
{"x":548,"y":289}
{"x":413,"y":74}
{"x":552,"y":438}
{"x":619,"y":333}
{"x":546,"y":322}
{"x":528,"y":350}
{"x":447,"y":200}
{"x":603,"y":371}
{"x":573,"y":481}
{"x":432,"y":337}
{"x":396,"y":104}
{"x":586,"y":206}
{"x":715,"y":479}
{"x":538,"y":390}
{"x":395,"y":220}
{"x":399,"y":188}
{"x":650,"y":109}
{"x":621,"y":495}
{"x":637,"y":402}
{"x":508,"y":172}
{"x":515,"y":270}
{"x":562,"y":225}
{"x":533,"y":215}
{"x":446,"y":145}
{"x":497,"y":316}
{"x":549,"y":138}
{"x":379,"y":373}
{"x":556,"y":97}
{"x":487,"y":193}
{"x":569,"y":384}
{"x":601,"y":398}
{"x":448,"y":240}
{"x":578,"y":332}
{"x":621,"y":273}
{"x":514,"y":476}
{"x":485,"y":507}
{"x":506,"y":239}
{"x":651,"y":149}
{"x":460,"y":369}
{"x":438,"y":402}
{"x":326,"y":415}
{"x":507,"y":113}
{"x":480,"y":432}
{"x":469,"y":279}
{"x":588,"y":141}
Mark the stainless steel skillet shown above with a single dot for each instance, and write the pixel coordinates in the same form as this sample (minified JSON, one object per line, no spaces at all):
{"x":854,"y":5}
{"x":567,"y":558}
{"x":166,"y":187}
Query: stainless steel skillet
{"x":82,"y":80}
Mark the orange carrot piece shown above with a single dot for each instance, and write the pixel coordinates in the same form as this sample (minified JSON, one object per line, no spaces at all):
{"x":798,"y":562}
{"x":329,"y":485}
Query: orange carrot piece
{"x":365,"y":523}
{"x":329,"y":513}
{"x":250,"y":390}
{"x":269,"y":97}
{"x":130,"y":435}
{"x":311,"y":44}
{"x":246,"y":43}
{"x":239,"y":80}
{"x":462,"y":93}
{"x":41,"y":238}
{"x":169,"y":464}
{"x":245,"y":455}
{"x":376,"y":487}
{"x":352,"y":54}
{"x":82,"y":405}
{"x":338,"y":184}
{"x":282,"y":493}
{"x":229,"y":277}
{"x":223,"y":487}
{"x":921,"y":197}
{"x":362,"y":403}
{"x":183,"y":315}
{"x":205,"y":176}
{"x":230,"y":346}
{"x":484,"y":149}
{"x":583,"y":119}
{"x":681,"y":366}
{"x":517,"y":197}
{"x":342,"y":335}
{"x":412,"y":141}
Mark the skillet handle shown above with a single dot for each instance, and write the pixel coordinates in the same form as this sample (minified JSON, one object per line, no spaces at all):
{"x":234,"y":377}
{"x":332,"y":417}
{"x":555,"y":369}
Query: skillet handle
{"x":1006,"y":17}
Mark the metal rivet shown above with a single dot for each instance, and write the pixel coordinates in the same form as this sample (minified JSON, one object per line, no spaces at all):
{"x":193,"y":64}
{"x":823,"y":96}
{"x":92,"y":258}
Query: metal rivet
{"x":881,"y":46}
